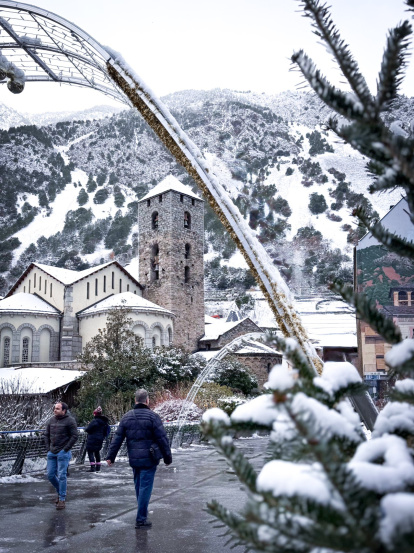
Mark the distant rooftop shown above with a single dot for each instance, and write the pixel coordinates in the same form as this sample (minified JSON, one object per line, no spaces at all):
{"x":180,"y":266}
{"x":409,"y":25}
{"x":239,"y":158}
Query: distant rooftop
{"x":170,"y":183}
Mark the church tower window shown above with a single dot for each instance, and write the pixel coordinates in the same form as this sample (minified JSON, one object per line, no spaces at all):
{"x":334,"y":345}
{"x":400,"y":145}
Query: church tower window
{"x":155,"y":262}
{"x":187,"y":251}
{"x":186,"y":274}
{"x":187,"y":220}
{"x":154,"y":220}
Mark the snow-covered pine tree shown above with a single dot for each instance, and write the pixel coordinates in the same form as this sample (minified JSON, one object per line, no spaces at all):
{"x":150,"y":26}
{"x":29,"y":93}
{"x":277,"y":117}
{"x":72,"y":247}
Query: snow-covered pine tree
{"x":324,"y":487}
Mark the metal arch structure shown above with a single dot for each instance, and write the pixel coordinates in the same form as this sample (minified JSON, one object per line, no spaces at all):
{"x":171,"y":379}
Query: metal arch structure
{"x":50,"y":49}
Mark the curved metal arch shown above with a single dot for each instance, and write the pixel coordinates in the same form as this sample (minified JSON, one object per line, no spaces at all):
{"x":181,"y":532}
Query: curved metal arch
{"x":47,"y":47}
{"x":130,"y":89}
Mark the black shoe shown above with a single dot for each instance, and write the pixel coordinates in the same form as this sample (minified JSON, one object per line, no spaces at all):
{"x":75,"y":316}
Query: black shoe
{"x":97,"y":468}
{"x":92,"y":468}
{"x":145,"y":524}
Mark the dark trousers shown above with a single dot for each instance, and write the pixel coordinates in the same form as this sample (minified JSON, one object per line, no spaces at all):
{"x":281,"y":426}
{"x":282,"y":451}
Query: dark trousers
{"x":94,"y":456}
{"x":144,"y":482}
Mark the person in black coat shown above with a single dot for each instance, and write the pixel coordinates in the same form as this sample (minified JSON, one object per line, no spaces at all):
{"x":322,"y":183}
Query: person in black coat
{"x":147,"y":443}
{"x":98,"y":429}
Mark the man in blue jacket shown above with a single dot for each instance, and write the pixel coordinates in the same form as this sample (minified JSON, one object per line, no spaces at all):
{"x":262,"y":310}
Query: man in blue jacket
{"x":143,"y":431}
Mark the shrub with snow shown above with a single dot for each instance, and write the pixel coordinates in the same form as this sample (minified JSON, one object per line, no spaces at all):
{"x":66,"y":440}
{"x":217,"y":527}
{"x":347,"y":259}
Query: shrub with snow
{"x":169,"y":410}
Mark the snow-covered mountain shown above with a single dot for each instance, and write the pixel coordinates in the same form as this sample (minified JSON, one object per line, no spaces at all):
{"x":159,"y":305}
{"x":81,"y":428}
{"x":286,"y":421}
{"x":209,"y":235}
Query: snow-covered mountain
{"x":69,"y":189}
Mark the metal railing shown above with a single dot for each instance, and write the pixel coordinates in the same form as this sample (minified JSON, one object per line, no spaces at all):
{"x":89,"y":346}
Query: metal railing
{"x":24,"y":451}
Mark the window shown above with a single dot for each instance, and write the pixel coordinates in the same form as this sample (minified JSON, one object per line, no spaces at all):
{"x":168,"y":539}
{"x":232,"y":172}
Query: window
{"x":192,"y":201}
{"x":45,"y":287}
{"x":160,"y":198}
{"x":154,"y":263}
{"x":6,"y":352}
{"x":113,"y":280}
{"x":187,"y":251}
{"x":87,"y":290}
{"x":120,"y":285}
{"x":402,"y":298}
{"x":187,"y":220}
{"x":24,"y":289}
{"x":269,"y":368}
{"x":34,"y":281}
{"x":30,"y":285}
{"x":181,"y":198}
{"x":127,"y":287}
{"x":135,"y":291}
{"x":170,"y":336}
{"x":186,"y":274}
{"x":96,"y":286}
{"x":148,"y":203}
{"x":154,"y":220}
{"x":40,"y":283}
{"x":154,"y":342}
{"x":104,"y":284}
{"x":50,"y":289}
{"x":25,"y":350}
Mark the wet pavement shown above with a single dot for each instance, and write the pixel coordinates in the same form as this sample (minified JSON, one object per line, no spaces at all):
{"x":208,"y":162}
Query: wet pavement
{"x":101,"y":508}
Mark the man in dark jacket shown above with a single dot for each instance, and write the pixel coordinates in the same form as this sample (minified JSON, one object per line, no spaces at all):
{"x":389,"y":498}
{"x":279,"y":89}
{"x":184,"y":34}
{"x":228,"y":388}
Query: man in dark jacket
{"x":143,"y":431}
{"x":60,"y":435}
{"x":98,"y":429}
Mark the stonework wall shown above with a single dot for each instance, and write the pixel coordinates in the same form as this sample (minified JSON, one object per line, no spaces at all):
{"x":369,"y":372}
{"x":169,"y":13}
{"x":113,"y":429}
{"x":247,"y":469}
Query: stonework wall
{"x":260,"y":364}
{"x":163,"y":260}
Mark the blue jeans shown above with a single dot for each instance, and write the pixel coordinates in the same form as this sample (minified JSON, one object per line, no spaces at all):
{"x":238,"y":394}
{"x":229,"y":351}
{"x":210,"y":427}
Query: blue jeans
{"x":144,"y":482}
{"x":57,"y":466}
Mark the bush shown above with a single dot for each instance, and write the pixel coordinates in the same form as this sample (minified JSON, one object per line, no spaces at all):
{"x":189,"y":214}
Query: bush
{"x":210,"y":393}
{"x":82,"y":197}
{"x":229,"y":404}
{"x":317,"y":203}
{"x":233,"y":374}
{"x":101,"y":196}
{"x":170,"y":410}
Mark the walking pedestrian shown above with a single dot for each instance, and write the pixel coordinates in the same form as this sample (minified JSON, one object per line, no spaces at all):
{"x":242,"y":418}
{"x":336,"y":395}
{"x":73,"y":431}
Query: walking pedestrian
{"x":147,"y":444}
{"x":60,"y":436}
{"x":98,"y":429}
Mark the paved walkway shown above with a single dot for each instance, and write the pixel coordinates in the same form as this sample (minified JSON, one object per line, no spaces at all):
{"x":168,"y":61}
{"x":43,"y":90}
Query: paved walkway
{"x":100,"y":512}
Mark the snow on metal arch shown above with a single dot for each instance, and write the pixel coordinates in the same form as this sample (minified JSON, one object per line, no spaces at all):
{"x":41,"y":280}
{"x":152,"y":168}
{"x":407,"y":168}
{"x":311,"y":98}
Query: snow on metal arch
{"x":48,"y":48}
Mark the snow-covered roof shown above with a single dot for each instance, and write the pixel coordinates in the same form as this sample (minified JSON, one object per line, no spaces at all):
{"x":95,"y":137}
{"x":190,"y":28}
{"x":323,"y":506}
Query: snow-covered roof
{"x":397,"y":220}
{"x":133,"y":268}
{"x":214,"y":330}
{"x":252,"y":346}
{"x":36,"y":380}
{"x":67,"y":276}
{"x":27,"y":303}
{"x":126,"y":299}
{"x":170,"y":183}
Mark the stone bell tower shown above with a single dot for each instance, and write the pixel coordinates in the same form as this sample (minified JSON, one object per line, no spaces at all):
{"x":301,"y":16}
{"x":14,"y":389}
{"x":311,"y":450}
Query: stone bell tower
{"x":171,"y":248}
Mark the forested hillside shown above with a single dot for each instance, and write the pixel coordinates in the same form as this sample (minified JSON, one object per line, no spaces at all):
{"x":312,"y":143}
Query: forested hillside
{"x":70,"y":189}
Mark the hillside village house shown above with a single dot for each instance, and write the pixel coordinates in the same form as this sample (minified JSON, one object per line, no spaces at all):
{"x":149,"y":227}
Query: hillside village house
{"x":389,"y":280}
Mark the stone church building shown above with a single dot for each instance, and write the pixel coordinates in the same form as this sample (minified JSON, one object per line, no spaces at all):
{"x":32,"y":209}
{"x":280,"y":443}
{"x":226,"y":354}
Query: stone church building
{"x":50,"y":313}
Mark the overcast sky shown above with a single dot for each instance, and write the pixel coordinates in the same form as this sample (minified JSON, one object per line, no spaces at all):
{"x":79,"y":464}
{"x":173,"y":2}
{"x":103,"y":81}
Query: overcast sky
{"x":236,"y":44}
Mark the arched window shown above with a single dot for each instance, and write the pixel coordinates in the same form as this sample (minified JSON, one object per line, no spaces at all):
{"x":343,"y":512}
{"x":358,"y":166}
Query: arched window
{"x":187,"y":220}
{"x":154,"y":220}
{"x":187,"y":251}
{"x":6,"y":352}
{"x":155,"y":262}
{"x":186,"y":274}
{"x":402,"y":298}
{"x":44,"y":352}
{"x":25,"y":350}
{"x":169,"y":336}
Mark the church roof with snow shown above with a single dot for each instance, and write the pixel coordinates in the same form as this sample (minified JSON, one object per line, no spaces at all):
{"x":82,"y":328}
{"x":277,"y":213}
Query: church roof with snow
{"x":68,"y":276}
{"x":36,"y":381}
{"x":127,"y":300}
{"x":27,"y":303}
{"x":167,"y":184}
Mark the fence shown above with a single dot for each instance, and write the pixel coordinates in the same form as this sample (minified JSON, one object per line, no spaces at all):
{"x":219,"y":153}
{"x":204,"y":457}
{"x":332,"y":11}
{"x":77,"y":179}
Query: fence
{"x":24,"y":451}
